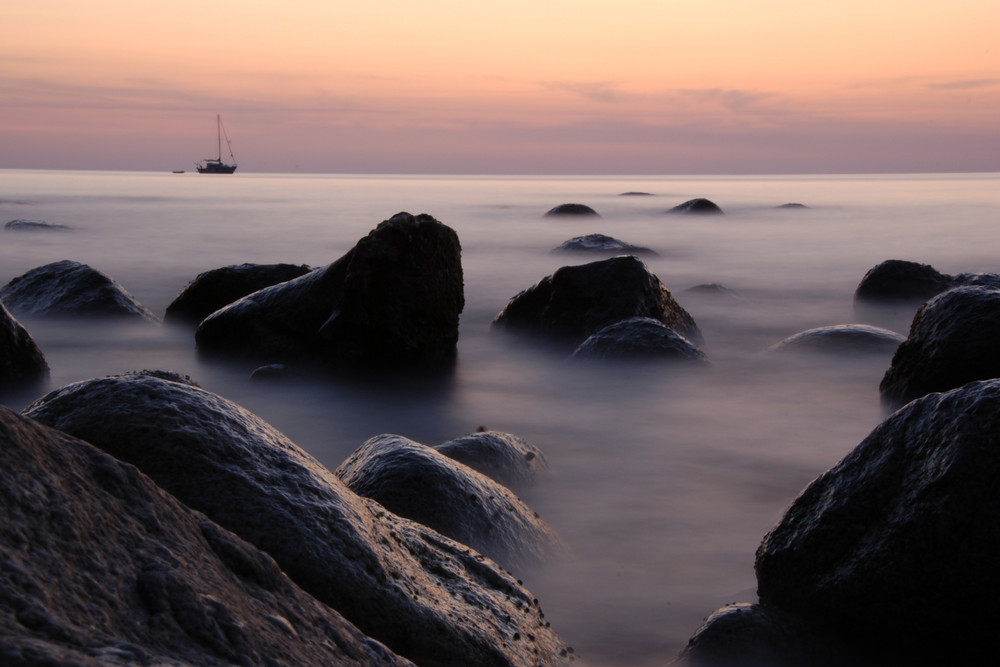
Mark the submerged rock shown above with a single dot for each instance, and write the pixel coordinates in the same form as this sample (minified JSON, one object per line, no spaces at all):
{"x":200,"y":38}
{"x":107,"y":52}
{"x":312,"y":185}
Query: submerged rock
{"x":430,"y":599}
{"x":503,"y":457}
{"x":698,"y":206}
{"x":640,"y":338}
{"x":842,"y":339}
{"x":392,"y":302}
{"x":22,"y":364}
{"x":214,"y":289}
{"x":34,"y":225}
{"x":577,"y":301}
{"x":599,"y":243}
{"x":102,"y":567}
{"x":571,"y":210}
{"x":71,"y":289}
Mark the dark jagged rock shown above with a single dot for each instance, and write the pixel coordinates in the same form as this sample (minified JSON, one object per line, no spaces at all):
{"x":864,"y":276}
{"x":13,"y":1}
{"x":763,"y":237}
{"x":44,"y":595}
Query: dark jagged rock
{"x":698,"y":206}
{"x":894,"y":549}
{"x":640,"y":338}
{"x":577,"y":301}
{"x":952,"y":341}
{"x":212,"y":290}
{"x":99,"y":566}
{"x":70,"y":289}
{"x":503,"y":457}
{"x":600,"y":243}
{"x":571,"y":210}
{"x":392,"y":302}
{"x":34,"y":225}
{"x":842,"y":339}
{"x":901,"y":280}
{"x":427,"y":597}
{"x":418,"y":482}
{"x":22,"y":365}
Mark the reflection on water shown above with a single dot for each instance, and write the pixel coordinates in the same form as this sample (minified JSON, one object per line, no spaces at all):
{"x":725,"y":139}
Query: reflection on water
{"x":663,"y":479}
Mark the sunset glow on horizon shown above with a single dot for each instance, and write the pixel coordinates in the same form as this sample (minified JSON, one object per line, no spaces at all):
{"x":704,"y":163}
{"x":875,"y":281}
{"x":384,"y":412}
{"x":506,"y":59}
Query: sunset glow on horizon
{"x":443,"y":86}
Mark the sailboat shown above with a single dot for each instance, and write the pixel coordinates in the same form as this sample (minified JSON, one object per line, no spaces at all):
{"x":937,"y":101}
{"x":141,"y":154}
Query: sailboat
{"x":216,"y":165}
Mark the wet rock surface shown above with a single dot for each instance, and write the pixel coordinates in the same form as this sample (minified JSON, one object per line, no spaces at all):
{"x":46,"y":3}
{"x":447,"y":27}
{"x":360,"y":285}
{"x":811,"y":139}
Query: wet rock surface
{"x":639,"y":338}
{"x":22,"y":364}
{"x":503,"y":457}
{"x":430,"y":599}
{"x":842,"y":339}
{"x":599,"y":243}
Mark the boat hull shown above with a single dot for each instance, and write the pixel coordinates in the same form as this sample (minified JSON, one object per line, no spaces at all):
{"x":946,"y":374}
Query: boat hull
{"x":216,"y":168}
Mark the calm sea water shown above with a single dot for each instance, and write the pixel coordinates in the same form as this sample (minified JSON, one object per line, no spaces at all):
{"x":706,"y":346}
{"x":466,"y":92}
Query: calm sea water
{"x":663,"y":481}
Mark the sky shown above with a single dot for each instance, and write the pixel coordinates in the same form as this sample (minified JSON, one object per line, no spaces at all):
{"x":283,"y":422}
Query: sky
{"x":518,"y":87}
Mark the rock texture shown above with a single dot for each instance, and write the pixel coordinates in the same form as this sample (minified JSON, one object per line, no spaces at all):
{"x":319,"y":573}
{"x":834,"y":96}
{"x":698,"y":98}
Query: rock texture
{"x":418,"y":482}
{"x":392,"y":302}
{"x":577,"y":301}
{"x":427,"y":597}
{"x":503,"y":457}
{"x":571,"y":210}
{"x":952,"y":341}
{"x":212,"y":290}
{"x":71,"y":289}
{"x":842,"y":339}
{"x":894,"y":549}
{"x":698,"y":206}
{"x":102,"y":567}
{"x":639,"y":338}
{"x":600,"y":243}
{"x":22,"y":364}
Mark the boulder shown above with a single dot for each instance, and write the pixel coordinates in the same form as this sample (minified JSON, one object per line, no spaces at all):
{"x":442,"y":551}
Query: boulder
{"x":901,"y":280}
{"x":430,"y":599}
{"x":418,"y":482}
{"x":894,"y":549}
{"x":577,"y":301}
{"x":952,"y":341}
{"x":639,"y":338}
{"x":392,"y":302}
{"x":71,"y":289}
{"x":698,"y":206}
{"x":503,"y":457}
{"x":713,"y":291}
{"x":102,"y":567}
{"x":600,"y":243}
{"x":22,"y":365}
{"x":841,"y":339}
{"x":212,"y":290}
{"x":571,"y":210}
{"x":791,"y":206}
{"x":34,"y":225}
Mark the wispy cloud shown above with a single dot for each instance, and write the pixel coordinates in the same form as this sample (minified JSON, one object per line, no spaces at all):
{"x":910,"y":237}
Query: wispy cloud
{"x":596,"y":91}
{"x":966,"y":84}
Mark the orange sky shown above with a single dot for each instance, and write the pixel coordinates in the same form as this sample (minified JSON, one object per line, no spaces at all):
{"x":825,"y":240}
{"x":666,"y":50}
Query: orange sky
{"x":546,"y":86}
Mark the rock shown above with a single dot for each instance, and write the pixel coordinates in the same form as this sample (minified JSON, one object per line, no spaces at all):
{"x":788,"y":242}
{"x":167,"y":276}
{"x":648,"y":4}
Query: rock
{"x":894,"y":549}
{"x":792,"y":205}
{"x":102,"y":567}
{"x":22,"y":365}
{"x":418,"y":482}
{"x":635,"y":194}
{"x":34,"y":225}
{"x":70,"y":289}
{"x":269,"y":372}
{"x":392,"y":302}
{"x":697,"y":207}
{"x":713,"y":290}
{"x":427,"y":597}
{"x":841,"y":339}
{"x":503,"y":457}
{"x":212,"y":290}
{"x":571,"y":209}
{"x":901,"y":280}
{"x":640,"y":338}
{"x":952,"y":341}
{"x":577,"y":301}
{"x":600,"y":243}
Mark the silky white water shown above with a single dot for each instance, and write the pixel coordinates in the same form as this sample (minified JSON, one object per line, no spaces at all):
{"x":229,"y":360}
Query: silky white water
{"x":663,"y":480}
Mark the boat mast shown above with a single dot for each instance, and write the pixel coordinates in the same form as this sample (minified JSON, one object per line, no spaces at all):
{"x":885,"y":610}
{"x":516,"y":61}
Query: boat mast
{"x":218,"y":133}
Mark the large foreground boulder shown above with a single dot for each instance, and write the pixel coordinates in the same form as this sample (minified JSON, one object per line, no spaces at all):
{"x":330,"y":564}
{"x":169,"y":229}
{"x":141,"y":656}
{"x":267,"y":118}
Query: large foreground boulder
{"x":212,"y":290}
{"x":894,"y":549}
{"x":503,"y":457}
{"x":422,"y":484}
{"x":392,"y":302}
{"x":428,"y":598}
{"x":71,"y":289}
{"x":952,"y":341}
{"x":22,"y":364}
{"x":641,"y":339}
{"x":99,"y":566}
{"x":577,"y":301}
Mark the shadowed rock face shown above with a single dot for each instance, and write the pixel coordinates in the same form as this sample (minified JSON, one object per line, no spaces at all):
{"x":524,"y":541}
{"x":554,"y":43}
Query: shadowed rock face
{"x":894,"y":549}
{"x":571,"y":210}
{"x":639,"y":338}
{"x":392,"y":302}
{"x":577,"y":301}
{"x":70,"y":289}
{"x":428,"y":598}
{"x":214,"y":289}
{"x":100,"y":566}
{"x":503,"y":457}
{"x":698,"y":206}
{"x":952,"y":341}
{"x":22,"y":364}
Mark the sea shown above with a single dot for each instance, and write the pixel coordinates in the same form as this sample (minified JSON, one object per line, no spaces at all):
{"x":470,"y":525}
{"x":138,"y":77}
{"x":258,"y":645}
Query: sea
{"x":662,"y":479}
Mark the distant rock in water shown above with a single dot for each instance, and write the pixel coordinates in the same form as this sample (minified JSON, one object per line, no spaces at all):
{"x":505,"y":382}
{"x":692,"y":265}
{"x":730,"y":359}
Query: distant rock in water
{"x":697,"y":207}
{"x":635,"y":194}
{"x":639,"y":338}
{"x":792,"y":205}
{"x":842,"y":339}
{"x":22,"y":365}
{"x":571,"y":210}
{"x":71,"y":289}
{"x":901,"y":280}
{"x":713,"y":290}
{"x":214,"y":289}
{"x":503,"y":457}
{"x":600,"y":243}
{"x":34,"y":225}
